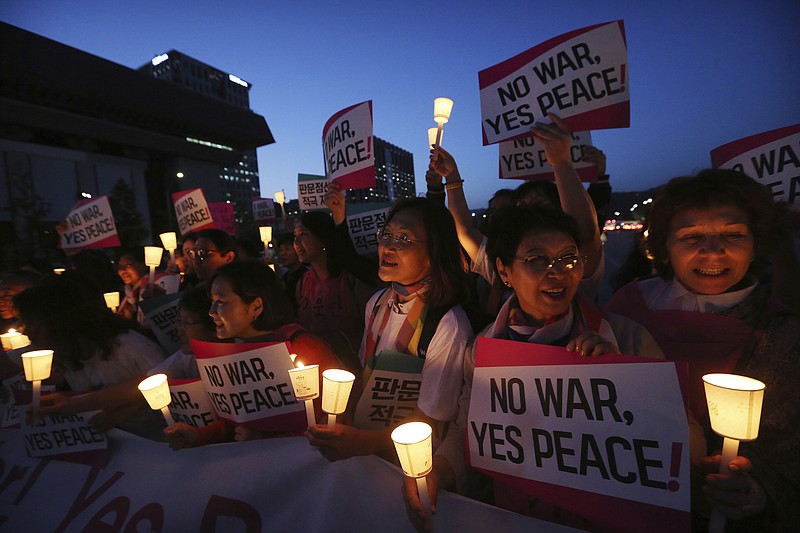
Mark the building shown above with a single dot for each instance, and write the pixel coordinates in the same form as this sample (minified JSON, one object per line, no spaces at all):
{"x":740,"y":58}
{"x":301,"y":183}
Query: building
{"x":394,"y":176}
{"x":73,"y":124}
{"x":239,"y":182}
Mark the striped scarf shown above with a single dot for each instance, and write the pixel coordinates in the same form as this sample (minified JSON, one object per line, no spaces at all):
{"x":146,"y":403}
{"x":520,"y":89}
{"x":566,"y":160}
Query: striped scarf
{"x":518,"y":327}
{"x":408,"y":300}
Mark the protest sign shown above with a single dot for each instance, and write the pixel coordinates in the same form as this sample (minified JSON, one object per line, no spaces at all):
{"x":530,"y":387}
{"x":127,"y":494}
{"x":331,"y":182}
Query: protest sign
{"x":264,"y":210}
{"x":581,"y":76}
{"x":524,"y":159}
{"x":248,"y":383}
{"x":223,"y":217}
{"x":192,"y":211}
{"x":771,"y":158}
{"x":392,"y":391}
{"x":8,"y":407}
{"x":161,"y":314}
{"x":56,"y":435}
{"x":311,"y":191}
{"x":90,"y":224}
{"x":190,"y":404}
{"x":171,"y":283}
{"x":363,"y":221}
{"x":584,"y":434}
{"x":347,"y":146}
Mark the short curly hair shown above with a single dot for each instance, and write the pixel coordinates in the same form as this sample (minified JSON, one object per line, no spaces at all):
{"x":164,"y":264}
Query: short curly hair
{"x":768,"y":220}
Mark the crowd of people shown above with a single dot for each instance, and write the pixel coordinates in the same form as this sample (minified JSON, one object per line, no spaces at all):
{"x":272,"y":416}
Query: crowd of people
{"x":719,"y":293}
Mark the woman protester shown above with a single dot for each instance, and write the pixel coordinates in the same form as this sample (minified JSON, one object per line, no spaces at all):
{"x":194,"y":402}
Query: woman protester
{"x":417,"y":320}
{"x":250,"y":305}
{"x":708,"y":235}
{"x":536,"y":254}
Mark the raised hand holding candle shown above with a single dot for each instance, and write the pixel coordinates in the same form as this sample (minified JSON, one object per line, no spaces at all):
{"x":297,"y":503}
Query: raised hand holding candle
{"x":734,"y":408}
{"x":152,"y":258}
{"x":336,"y":387}
{"x":13,"y":339}
{"x":37,"y":365}
{"x":305,"y":382}
{"x":112,"y":300}
{"x":415,"y":451}
{"x":170,"y":242}
{"x":155,"y":390}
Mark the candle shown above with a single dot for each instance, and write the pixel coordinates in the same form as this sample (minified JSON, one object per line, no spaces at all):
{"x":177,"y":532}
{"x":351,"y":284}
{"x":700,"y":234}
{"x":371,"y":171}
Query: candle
{"x":336,"y":387}
{"x":305,"y":382}
{"x":155,"y":390}
{"x":152,"y":258}
{"x":59,"y":271}
{"x":37,"y":365}
{"x":170,"y":242}
{"x":266,"y":237}
{"x":432,"y":133}
{"x":415,"y":451}
{"x":13,"y":339}
{"x":734,"y":408}
{"x":280,"y":197}
{"x":442,"y":107}
{"x":112,"y":300}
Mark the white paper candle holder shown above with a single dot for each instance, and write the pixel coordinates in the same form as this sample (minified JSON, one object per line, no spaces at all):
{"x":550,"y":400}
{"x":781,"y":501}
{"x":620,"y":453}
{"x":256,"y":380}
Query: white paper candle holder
{"x":155,"y":390}
{"x":414,"y":447}
{"x":152,"y":258}
{"x":305,"y":382}
{"x":13,"y":339}
{"x":336,"y":387}
{"x":37,"y":365}
{"x":112,"y":300}
{"x":280,"y":197}
{"x":170,"y":242}
{"x":432,"y":134}
{"x":442,"y":107}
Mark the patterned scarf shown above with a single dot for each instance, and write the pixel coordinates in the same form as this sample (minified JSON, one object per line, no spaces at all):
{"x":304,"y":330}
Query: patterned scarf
{"x":518,"y":327}
{"x":408,"y":300}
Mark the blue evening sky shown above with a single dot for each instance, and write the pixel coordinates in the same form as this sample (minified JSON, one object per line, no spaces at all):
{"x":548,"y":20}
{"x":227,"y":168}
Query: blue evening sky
{"x":701,"y":73}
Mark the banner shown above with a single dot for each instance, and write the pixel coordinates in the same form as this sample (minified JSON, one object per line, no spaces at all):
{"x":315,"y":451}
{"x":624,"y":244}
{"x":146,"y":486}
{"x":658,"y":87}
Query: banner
{"x":524,"y":159}
{"x":90,"y":224}
{"x":586,"y":434}
{"x":581,"y":76}
{"x":161,"y":314}
{"x":190,"y":404}
{"x":347,"y":146}
{"x":248,"y":384}
{"x":264,"y":485}
{"x":264,"y":210}
{"x":311,"y":191}
{"x":192,"y":211}
{"x":223,"y":217}
{"x":771,"y":158}
{"x":392,"y":391}
{"x":363,"y":221}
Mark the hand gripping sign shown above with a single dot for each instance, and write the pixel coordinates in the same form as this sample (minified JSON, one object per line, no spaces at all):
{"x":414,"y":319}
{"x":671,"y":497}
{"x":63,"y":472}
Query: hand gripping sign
{"x":581,"y":76}
{"x":348,"y":148}
{"x":192,"y":211}
{"x":90,"y":224}
{"x":771,"y":158}
{"x":583,"y":434}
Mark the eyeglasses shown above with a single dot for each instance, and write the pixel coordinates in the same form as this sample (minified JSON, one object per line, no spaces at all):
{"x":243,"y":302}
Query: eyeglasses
{"x":125,"y":267}
{"x":400,"y":242}
{"x":540,"y":264}
{"x":201,"y":254}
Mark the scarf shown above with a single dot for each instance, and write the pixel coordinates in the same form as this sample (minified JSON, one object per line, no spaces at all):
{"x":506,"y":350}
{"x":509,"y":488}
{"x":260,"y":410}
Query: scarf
{"x":407,"y":300}
{"x":518,"y":327}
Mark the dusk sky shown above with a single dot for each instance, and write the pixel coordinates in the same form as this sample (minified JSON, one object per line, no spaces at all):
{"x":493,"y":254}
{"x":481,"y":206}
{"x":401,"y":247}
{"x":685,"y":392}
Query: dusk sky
{"x":701,"y":73}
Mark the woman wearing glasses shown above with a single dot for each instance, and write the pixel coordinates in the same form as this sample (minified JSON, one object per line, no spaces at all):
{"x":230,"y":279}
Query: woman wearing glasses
{"x":536,"y":254}
{"x":417,"y":324}
{"x":133,"y":273}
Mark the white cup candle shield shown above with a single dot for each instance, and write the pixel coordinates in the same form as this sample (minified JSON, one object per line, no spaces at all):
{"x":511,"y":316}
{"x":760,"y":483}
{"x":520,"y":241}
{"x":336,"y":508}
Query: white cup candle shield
{"x":432,"y":133}
{"x":152,"y":258}
{"x":442,"y":107}
{"x":112,"y":300}
{"x":280,"y":198}
{"x":305,"y":382}
{"x":266,"y":237}
{"x":37,"y":365}
{"x":415,"y":451}
{"x":13,"y":339}
{"x":155,"y":390}
{"x":170,"y":242}
{"x":734,"y":409}
{"x":336,"y":387}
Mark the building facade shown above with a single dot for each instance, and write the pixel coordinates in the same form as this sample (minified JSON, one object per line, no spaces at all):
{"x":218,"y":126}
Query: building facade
{"x":394,"y":176}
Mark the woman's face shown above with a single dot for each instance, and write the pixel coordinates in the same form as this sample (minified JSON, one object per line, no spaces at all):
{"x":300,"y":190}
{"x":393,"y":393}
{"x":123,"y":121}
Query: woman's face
{"x":129,"y":270}
{"x":544,"y":291}
{"x":308,"y":246}
{"x":710,"y":249}
{"x":233,"y":317}
{"x":191,"y":327}
{"x":402,"y":249}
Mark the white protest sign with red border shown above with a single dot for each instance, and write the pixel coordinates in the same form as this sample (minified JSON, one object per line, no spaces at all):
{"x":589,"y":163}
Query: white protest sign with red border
{"x":264,"y":210}
{"x":90,"y":224}
{"x":771,"y":158}
{"x":584,"y":434}
{"x":222,"y":215}
{"x":192,"y":211}
{"x":348,"y":148}
{"x":524,"y":159}
{"x":190,"y":404}
{"x":581,"y":76}
{"x":248,"y":383}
